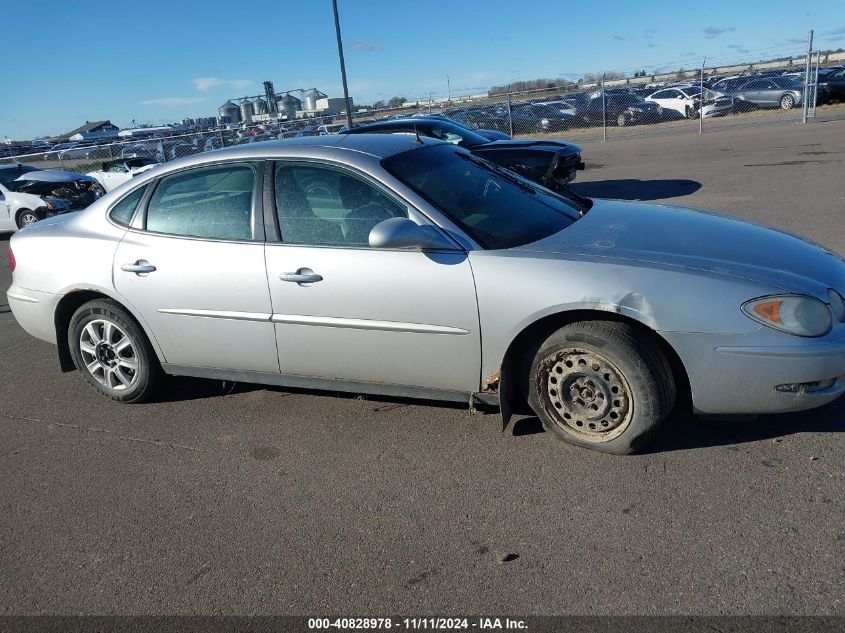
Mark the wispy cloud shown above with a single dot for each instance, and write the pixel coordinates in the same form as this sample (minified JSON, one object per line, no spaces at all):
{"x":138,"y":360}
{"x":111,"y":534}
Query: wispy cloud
{"x":619,"y":37}
{"x":839,"y":31}
{"x":714,"y":31}
{"x":364,"y":47}
{"x":796,"y":40}
{"x":652,"y":45}
{"x":173,"y":101}
{"x":649,"y":33}
{"x":204,"y":84}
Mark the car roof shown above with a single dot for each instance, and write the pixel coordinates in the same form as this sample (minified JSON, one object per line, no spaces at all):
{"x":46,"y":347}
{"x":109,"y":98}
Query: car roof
{"x":344,"y":147}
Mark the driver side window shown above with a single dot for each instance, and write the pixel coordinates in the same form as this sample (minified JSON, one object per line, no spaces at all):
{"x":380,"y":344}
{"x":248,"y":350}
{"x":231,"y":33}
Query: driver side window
{"x":318,"y":205}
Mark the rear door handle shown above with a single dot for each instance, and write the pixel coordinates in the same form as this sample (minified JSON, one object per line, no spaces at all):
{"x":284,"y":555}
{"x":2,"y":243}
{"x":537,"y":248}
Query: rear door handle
{"x":142,"y":266}
{"x":302,"y":276}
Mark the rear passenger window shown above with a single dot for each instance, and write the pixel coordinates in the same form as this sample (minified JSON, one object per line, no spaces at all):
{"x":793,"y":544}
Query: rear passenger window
{"x":213,"y":202}
{"x":123,"y":211}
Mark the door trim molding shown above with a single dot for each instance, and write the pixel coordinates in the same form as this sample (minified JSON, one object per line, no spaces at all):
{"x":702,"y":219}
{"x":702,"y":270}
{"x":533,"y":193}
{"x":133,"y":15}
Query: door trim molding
{"x":319,"y":321}
{"x":367,"y":324}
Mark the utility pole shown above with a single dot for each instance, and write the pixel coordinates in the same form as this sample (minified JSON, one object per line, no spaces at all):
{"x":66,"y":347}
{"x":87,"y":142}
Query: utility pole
{"x":449,"y":87}
{"x":807,"y":78}
{"x":342,"y":65}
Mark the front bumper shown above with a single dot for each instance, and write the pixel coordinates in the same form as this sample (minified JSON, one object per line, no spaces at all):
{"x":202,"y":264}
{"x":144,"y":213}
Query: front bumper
{"x":742,"y":374}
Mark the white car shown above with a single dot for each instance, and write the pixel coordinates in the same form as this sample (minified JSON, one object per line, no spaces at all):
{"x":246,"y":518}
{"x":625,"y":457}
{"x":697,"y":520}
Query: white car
{"x":687,"y":100}
{"x":18,"y":210}
{"x":117,"y":172}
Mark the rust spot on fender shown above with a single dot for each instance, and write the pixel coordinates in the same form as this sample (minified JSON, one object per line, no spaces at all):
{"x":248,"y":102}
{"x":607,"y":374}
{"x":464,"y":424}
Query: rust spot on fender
{"x":491,"y":385}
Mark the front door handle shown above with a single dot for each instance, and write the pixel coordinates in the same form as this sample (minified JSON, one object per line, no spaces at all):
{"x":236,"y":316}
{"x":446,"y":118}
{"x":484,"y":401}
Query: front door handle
{"x":141,"y":267}
{"x":302,"y":276}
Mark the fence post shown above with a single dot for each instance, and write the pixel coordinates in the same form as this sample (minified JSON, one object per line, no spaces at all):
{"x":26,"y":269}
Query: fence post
{"x":807,"y":78}
{"x":510,"y":115}
{"x":701,"y":99}
{"x":111,"y":154}
{"x":429,"y":102}
{"x":603,"y":112}
{"x":222,"y":140}
{"x":816,"y":84}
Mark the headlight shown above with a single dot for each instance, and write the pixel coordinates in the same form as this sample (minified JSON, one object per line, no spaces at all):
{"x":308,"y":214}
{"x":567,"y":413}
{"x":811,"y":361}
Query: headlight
{"x":837,"y":305}
{"x":793,"y":314}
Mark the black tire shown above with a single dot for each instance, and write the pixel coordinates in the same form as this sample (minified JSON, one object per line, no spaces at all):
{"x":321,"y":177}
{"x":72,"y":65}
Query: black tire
{"x":622,"y":381}
{"x":621,"y":121}
{"x":692,"y":113}
{"x":787,"y":102}
{"x":147,"y":376}
{"x":26,"y":217}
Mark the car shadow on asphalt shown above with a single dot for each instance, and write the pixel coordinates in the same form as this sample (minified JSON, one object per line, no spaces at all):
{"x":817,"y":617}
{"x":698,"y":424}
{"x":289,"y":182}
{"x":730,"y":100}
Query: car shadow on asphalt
{"x":685,"y":431}
{"x":632,"y":189}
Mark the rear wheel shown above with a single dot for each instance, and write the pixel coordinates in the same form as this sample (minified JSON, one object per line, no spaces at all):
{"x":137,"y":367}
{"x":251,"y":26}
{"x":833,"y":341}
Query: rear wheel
{"x":112,"y":352}
{"x":598,"y":385}
{"x":787,"y":102}
{"x":26,"y":217}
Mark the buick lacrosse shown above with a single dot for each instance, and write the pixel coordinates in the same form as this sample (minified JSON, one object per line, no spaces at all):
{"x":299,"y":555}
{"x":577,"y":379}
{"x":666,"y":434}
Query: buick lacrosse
{"x":390,"y":264}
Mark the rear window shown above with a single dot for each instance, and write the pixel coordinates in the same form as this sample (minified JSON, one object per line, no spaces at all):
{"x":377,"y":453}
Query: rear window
{"x":494,"y":207}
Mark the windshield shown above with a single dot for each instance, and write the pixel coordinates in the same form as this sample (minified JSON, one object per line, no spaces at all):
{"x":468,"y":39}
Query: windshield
{"x":494,"y":207}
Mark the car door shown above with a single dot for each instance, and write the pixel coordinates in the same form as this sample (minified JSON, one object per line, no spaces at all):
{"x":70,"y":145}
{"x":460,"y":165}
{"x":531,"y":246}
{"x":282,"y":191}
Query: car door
{"x":769,"y":92}
{"x":192,"y":266}
{"x":836,"y":85}
{"x":343,"y":310}
{"x":661,"y":98}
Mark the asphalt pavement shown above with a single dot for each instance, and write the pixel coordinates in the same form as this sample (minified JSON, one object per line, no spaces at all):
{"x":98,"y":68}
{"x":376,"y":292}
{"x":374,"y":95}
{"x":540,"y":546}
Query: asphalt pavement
{"x":242,"y":499}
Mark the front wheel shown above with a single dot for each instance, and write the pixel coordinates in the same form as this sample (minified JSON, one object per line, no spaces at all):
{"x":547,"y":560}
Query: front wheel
{"x":112,"y":352}
{"x":598,"y":385}
{"x":26,"y":217}
{"x":621,"y":121}
{"x":787,"y":102}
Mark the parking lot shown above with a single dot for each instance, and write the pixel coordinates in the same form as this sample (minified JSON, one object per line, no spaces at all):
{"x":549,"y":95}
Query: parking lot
{"x":246,"y":499}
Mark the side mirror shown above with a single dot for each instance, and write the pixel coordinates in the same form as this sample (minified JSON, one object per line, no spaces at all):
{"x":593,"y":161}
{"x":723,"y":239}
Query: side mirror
{"x":405,"y":233}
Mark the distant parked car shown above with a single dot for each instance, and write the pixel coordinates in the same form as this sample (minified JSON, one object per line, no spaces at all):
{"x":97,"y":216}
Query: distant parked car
{"x":687,"y":102}
{"x":488,"y":118}
{"x":551,"y":163}
{"x":620,"y":109}
{"x":137,"y":151}
{"x":769,"y":92}
{"x":540,"y":118}
{"x":116,"y":172}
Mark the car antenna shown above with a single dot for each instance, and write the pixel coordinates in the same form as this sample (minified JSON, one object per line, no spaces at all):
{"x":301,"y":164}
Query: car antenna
{"x":417,"y":134}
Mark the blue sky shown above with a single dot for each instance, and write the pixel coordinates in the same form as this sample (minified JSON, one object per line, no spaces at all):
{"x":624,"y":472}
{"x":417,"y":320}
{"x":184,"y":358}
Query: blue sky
{"x":156,"y":61}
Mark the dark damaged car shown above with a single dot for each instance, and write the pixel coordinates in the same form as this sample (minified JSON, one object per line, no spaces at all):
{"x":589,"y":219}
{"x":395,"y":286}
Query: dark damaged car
{"x":549,"y":162}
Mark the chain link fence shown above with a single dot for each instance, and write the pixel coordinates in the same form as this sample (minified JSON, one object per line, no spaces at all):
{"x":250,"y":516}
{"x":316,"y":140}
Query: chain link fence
{"x":790,"y":89}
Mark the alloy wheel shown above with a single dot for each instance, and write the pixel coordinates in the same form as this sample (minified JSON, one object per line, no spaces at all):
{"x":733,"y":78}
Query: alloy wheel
{"x":109,"y":355}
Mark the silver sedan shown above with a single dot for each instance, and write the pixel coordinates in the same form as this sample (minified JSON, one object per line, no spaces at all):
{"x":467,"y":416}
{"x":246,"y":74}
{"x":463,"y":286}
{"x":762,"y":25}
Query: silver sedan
{"x":394,"y":265}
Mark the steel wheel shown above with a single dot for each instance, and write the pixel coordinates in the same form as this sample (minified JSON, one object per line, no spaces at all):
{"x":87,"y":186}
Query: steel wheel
{"x":787,"y":102}
{"x":589,"y":394}
{"x":26,"y":218}
{"x":109,"y":355}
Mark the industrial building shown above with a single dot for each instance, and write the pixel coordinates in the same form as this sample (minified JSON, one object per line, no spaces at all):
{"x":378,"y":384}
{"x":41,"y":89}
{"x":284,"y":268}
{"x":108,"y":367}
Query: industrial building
{"x":285,"y":106}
